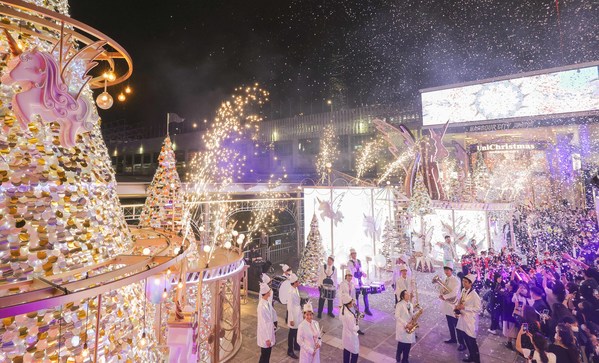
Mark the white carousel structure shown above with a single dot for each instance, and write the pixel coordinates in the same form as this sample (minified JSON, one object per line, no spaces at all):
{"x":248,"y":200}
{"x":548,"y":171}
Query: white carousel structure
{"x":77,"y":284}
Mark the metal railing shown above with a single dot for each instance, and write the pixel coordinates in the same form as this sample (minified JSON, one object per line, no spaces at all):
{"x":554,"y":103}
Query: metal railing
{"x":132,"y":212}
{"x":274,"y":254}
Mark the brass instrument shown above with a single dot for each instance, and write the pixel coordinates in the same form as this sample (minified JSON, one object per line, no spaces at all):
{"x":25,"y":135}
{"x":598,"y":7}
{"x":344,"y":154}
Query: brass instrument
{"x":437,"y":280}
{"x":413,"y":324}
{"x":415,"y":290}
{"x":456,"y":312}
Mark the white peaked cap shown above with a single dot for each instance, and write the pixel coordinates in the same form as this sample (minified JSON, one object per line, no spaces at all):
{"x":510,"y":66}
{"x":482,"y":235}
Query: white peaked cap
{"x":346,"y":299}
{"x":265,"y":278}
{"x":470,"y":277}
{"x":403,"y":266}
{"x":293,"y":278}
{"x":332,"y":257}
{"x":308,"y":307}
{"x":347,"y":272}
{"x":449,"y":265}
{"x":352,"y":250}
{"x":285,"y":267}
{"x":264,"y":288}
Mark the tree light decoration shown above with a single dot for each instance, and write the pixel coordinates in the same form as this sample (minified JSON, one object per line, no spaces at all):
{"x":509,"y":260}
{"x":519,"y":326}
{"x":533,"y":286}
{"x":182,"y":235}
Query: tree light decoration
{"x":420,"y":201}
{"x":329,"y":152}
{"x":313,"y":256}
{"x":368,"y":156}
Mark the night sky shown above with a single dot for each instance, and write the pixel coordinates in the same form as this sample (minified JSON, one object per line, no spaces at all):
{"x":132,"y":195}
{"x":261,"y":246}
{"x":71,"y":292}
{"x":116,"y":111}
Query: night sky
{"x":189,"y":55}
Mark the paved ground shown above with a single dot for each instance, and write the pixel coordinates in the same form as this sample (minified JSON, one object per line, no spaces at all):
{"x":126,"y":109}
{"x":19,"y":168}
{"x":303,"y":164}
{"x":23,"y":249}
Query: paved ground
{"x":379,"y":345}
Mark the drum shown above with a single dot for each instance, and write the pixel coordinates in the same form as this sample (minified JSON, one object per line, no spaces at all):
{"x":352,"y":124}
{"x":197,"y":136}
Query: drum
{"x":275,"y":284}
{"x":327,"y":292}
{"x":365,"y":289}
{"x":377,"y":287}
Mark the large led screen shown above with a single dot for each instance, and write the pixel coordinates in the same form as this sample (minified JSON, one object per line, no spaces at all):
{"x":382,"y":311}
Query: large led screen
{"x":564,"y":92}
{"x":358,"y":217}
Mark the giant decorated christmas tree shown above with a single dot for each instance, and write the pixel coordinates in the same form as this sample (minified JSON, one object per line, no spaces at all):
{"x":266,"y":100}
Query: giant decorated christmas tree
{"x":313,"y":256}
{"x":59,"y":210}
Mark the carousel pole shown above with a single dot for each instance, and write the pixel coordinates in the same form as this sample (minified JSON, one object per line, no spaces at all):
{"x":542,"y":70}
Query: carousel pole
{"x":97,"y":328}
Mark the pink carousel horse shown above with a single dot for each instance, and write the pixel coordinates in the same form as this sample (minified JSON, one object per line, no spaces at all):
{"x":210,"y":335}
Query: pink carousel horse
{"x":45,"y":93}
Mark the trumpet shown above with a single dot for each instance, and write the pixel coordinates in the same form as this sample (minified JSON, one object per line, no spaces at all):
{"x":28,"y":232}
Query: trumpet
{"x":437,"y":280}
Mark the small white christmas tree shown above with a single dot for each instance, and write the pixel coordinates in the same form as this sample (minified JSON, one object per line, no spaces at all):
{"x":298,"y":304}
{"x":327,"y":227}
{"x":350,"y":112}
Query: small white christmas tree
{"x":313,"y":256}
{"x":164,"y":204}
{"x":420,"y":201}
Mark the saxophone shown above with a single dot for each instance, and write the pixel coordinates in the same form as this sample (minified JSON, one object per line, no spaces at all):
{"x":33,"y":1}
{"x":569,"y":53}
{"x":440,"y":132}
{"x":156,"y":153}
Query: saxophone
{"x":456,"y":312}
{"x":413,"y":324}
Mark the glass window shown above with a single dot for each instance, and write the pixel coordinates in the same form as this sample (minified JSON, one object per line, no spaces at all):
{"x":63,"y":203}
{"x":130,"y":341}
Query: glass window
{"x":283,"y":148}
{"x":308,"y":146}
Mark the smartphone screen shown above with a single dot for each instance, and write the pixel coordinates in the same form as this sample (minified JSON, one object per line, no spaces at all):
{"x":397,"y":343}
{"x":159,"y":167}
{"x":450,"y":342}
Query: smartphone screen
{"x":525,"y":327}
{"x":546,"y":312}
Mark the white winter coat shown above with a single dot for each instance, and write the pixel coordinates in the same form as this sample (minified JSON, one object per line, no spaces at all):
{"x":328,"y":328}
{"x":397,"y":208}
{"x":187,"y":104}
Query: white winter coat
{"x":453,"y":284}
{"x":294,"y":309}
{"x":403,"y":315}
{"x":307,"y":336}
{"x":266,"y":327}
{"x":349,"y":334}
{"x":468,"y":319}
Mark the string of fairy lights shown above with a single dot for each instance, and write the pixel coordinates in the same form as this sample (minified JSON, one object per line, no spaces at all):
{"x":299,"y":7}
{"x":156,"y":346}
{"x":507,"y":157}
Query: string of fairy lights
{"x":329,"y":152}
{"x":224,"y":162}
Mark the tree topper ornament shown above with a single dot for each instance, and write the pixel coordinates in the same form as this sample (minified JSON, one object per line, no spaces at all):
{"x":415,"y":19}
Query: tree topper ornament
{"x":44,"y":83}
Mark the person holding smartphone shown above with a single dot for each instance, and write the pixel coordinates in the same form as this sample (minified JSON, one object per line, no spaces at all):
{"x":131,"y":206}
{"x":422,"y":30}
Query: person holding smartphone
{"x":537,"y":355}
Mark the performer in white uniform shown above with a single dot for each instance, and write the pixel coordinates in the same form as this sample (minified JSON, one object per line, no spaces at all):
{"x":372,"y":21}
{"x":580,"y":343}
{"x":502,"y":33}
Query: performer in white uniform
{"x":402,"y":282}
{"x":309,"y":337}
{"x":449,"y":254}
{"x":294,"y":315}
{"x":265,"y":335}
{"x":285,"y":285}
{"x":403,"y":315}
{"x":448,"y":301}
{"x":347,"y":289}
{"x":349,"y":335}
{"x":327,"y":275}
{"x":355,"y":266}
{"x":275,"y":318}
{"x":469,"y":308}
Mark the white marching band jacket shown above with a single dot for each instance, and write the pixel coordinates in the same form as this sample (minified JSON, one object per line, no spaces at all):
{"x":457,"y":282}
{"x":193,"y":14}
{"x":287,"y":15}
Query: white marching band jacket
{"x":294,"y":309}
{"x":468,"y":319}
{"x":346,"y":289}
{"x":403,"y":315}
{"x":308,"y":335}
{"x":453,"y":283}
{"x":266,"y":326}
{"x":275,"y":317}
{"x":402,"y":284}
{"x":349,"y":334}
